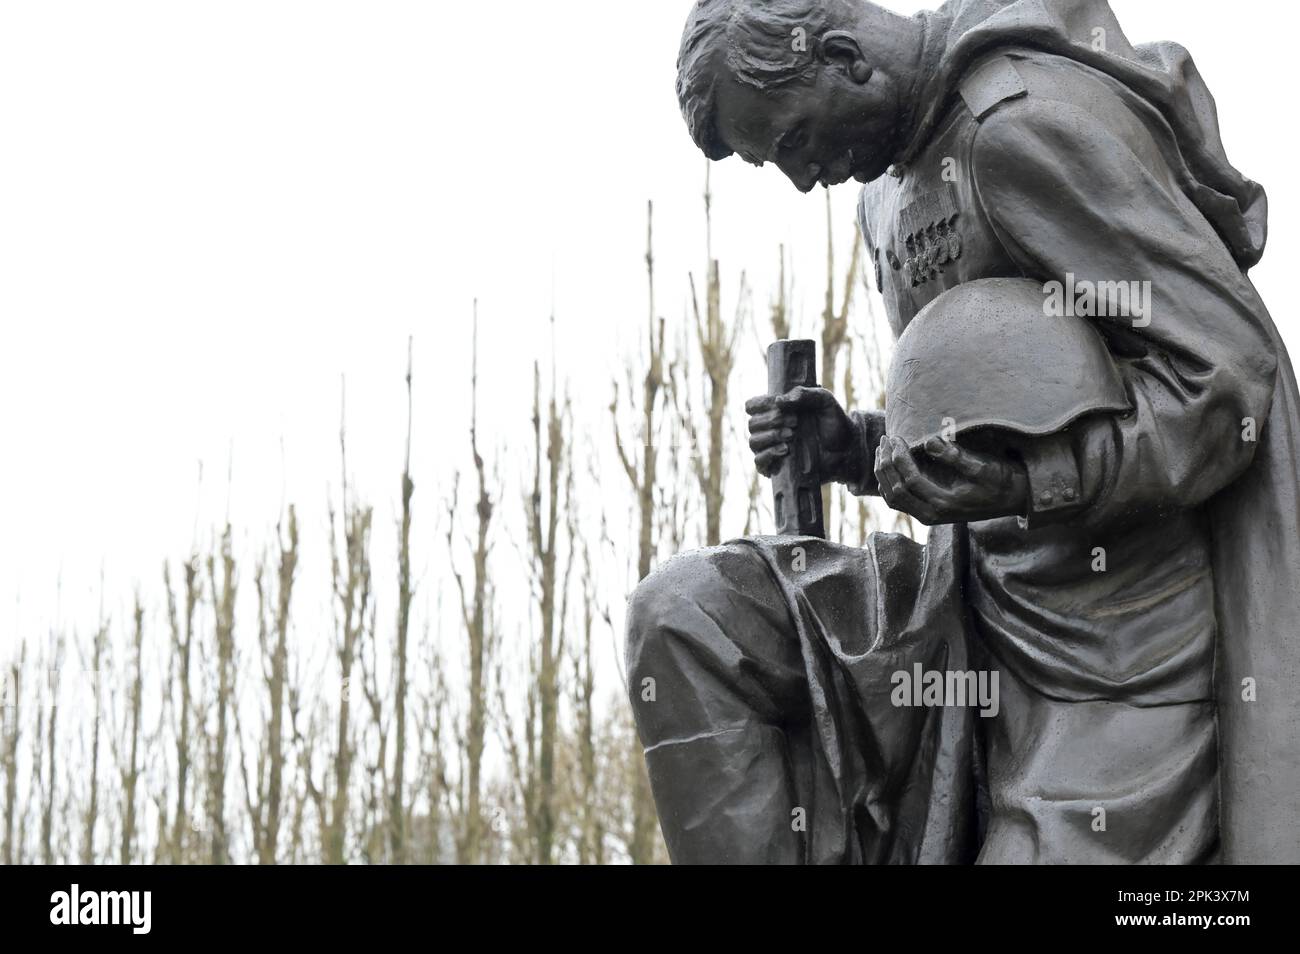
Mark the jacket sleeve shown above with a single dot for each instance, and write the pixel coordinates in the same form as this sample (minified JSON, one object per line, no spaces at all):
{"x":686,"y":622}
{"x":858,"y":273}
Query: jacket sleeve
{"x":1068,"y":195}
{"x":869,"y":428}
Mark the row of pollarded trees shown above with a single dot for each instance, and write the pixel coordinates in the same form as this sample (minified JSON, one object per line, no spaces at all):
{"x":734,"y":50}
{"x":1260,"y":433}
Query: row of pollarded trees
{"x":484,"y":729}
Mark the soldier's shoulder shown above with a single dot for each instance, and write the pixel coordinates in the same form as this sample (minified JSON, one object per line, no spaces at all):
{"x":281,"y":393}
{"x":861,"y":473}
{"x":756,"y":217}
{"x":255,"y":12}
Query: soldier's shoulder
{"x":1029,"y":82}
{"x":1044,"y":103}
{"x":990,"y":84}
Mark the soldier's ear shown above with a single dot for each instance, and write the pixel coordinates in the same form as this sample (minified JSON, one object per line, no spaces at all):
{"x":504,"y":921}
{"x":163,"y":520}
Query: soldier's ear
{"x":842,"y":48}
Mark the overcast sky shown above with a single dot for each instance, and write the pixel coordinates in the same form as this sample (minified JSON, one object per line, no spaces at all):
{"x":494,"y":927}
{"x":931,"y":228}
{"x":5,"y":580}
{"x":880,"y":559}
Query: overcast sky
{"x":211,"y":212}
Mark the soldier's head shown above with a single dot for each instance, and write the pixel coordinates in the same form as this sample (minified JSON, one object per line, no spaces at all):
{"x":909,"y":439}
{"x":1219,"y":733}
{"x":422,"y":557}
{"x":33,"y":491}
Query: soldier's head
{"x":821,"y":88}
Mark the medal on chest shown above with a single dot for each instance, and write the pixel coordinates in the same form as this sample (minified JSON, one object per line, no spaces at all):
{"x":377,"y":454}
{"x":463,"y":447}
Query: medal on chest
{"x":929,"y":236}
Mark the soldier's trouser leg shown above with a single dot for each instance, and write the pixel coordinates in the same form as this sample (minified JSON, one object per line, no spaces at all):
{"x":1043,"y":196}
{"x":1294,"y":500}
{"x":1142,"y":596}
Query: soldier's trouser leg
{"x":721,"y":701}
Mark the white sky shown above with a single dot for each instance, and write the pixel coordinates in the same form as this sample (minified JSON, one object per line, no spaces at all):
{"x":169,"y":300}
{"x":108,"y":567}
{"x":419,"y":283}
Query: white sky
{"x":210,"y":212}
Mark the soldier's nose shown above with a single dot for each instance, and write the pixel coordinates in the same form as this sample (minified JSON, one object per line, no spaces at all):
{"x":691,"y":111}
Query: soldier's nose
{"x":813,"y":176}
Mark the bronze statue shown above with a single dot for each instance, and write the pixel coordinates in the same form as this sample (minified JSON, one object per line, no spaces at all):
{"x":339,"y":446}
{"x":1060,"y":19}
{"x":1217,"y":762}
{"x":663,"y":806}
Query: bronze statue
{"x":1094,"y":658}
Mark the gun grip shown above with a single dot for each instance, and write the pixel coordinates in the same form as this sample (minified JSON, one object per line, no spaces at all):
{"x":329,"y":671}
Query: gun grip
{"x":797,"y":485}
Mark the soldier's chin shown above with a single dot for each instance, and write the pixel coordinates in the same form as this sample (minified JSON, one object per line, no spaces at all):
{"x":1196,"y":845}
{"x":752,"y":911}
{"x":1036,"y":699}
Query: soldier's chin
{"x":870,"y":170}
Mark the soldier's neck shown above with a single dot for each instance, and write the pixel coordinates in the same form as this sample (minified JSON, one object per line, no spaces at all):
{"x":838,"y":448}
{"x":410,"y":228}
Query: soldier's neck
{"x":900,"y":46}
{"x":922,"y":41}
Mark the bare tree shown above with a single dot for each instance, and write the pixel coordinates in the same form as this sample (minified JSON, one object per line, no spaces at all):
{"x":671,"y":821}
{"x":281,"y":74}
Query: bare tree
{"x":372,"y":824}
{"x":49,"y":787}
{"x":433,"y":761}
{"x":642,"y":470}
{"x":264,"y":793}
{"x":222,"y":579}
{"x":716,"y":339}
{"x":351,"y":584}
{"x":397,"y":811}
{"x":304,"y":740}
{"x":90,"y":816}
{"x":474,"y":606}
{"x":551,"y":497}
{"x":182,"y":646}
{"x":591,"y":835}
{"x":11,"y":711}
{"x":129,"y":749}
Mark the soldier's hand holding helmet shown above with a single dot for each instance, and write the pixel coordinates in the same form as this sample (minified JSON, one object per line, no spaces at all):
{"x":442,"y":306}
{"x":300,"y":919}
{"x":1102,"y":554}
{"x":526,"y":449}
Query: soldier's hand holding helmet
{"x":943,"y":482}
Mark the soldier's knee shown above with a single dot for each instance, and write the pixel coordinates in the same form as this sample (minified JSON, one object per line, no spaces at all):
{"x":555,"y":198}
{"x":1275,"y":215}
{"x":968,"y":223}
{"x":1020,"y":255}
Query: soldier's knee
{"x":658,"y":599}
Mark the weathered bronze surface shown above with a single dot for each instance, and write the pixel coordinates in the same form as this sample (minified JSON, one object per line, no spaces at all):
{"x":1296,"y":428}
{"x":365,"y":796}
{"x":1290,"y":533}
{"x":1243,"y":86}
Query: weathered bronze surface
{"x":1094,"y":658}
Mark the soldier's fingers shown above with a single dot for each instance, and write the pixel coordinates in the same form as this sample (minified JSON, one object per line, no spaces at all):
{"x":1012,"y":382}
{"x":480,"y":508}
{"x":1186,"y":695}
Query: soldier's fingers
{"x":772,"y":420}
{"x":886,"y":472}
{"x":885,"y":469}
{"x":764,"y":402}
{"x":805,"y":399}
{"x":762,"y":440}
{"x":769,"y":461}
{"x":900,"y":499}
{"x":893,"y":486}
{"x":916,"y":482}
{"x":958,"y":458}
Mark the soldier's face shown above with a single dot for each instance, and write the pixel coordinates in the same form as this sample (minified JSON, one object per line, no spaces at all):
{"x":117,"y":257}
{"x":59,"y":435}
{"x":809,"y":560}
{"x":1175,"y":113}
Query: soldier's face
{"x":822,"y":130}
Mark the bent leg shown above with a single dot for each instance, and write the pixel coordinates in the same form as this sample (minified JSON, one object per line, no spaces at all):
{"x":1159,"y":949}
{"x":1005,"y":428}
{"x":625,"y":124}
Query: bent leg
{"x":721,"y":701}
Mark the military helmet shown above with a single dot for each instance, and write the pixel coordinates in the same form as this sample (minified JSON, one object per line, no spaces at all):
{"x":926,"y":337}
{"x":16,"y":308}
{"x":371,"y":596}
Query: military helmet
{"x":987,"y":354}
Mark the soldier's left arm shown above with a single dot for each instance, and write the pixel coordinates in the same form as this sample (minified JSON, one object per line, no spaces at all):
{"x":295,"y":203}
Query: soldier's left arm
{"x":1069,"y":195}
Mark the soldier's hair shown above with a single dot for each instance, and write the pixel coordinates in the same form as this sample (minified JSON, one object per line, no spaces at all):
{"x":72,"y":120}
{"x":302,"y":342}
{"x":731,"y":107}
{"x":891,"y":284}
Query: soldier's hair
{"x":764,"y":44}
